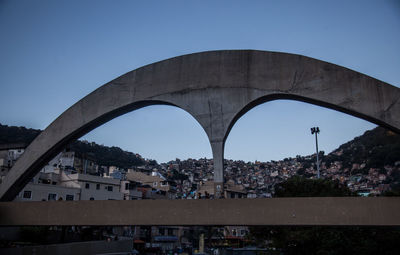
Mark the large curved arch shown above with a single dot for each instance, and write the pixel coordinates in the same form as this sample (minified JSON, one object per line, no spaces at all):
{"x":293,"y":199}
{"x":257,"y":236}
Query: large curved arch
{"x":214,"y":87}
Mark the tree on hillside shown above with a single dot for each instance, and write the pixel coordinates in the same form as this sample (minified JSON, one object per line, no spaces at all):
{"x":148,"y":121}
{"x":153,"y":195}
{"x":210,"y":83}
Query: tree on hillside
{"x":12,"y":134}
{"x":298,"y":186}
{"x":320,"y":239}
{"x":102,"y":155}
{"x":107,"y":156}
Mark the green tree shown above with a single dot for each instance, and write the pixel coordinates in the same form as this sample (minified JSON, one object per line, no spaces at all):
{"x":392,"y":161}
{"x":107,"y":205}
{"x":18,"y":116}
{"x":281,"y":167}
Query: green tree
{"x":298,"y":186}
{"x":12,"y":134}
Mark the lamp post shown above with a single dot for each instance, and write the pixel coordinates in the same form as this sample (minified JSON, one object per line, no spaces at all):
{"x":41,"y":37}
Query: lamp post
{"x":315,"y":130}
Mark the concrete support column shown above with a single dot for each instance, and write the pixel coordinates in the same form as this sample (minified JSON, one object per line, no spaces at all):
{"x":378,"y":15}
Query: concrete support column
{"x":218,"y":157}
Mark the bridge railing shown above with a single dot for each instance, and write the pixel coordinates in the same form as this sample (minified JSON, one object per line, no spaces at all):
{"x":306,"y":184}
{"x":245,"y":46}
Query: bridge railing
{"x":334,"y":211}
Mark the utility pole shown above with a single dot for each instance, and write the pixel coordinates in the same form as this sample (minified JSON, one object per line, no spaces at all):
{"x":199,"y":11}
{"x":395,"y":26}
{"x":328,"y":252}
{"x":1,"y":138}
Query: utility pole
{"x":315,"y":130}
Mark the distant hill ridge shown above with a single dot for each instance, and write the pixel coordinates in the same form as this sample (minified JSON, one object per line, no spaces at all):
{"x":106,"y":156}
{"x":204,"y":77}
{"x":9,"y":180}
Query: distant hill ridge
{"x":103,"y":155}
{"x":13,"y":134}
{"x":375,"y":148}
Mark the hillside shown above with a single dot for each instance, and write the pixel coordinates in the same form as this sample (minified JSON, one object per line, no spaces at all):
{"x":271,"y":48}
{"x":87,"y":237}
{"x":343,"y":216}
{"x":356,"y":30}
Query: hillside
{"x":103,"y":155}
{"x":375,"y":155}
{"x":376,"y":148}
{"x":12,"y":134}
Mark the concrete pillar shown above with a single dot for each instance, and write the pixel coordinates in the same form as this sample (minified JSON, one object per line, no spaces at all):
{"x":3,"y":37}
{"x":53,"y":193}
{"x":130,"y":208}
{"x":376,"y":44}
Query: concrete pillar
{"x":218,"y":157}
{"x":201,"y":243}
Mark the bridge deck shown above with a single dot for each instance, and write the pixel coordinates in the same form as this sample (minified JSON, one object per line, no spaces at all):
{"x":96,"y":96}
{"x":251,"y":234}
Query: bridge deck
{"x":374,"y":211}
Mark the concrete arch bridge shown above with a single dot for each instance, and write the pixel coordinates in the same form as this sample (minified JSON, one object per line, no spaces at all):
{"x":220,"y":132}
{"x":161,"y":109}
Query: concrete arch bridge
{"x":216,"y":88}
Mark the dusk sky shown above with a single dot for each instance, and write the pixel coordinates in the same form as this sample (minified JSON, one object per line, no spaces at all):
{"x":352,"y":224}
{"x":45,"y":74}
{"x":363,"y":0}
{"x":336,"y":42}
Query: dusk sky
{"x":53,"y":53}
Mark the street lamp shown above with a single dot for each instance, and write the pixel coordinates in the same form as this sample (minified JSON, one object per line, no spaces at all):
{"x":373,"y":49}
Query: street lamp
{"x":315,"y":130}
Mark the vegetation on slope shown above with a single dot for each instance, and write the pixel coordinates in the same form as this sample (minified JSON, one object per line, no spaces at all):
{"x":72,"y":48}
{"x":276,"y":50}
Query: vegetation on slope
{"x":103,"y":155}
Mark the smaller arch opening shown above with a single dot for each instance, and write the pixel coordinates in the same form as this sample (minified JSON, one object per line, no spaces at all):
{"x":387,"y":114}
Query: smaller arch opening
{"x":273,"y":142}
{"x":148,"y":140}
{"x":286,"y":123}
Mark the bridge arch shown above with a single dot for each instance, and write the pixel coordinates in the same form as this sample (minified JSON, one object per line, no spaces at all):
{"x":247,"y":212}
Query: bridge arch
{"x":216,"y":88}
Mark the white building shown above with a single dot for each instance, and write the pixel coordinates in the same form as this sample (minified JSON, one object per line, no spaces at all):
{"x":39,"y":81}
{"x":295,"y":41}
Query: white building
{"x":68,"y":160}
{"x":46,"y":187}
{"x":46,"y":192}
{"x":63,"y":186}
{"x":93,"y":187}
{"x":9,"y":153}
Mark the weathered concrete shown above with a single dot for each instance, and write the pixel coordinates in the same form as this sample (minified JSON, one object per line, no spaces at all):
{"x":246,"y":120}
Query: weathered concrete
{"x":374,"y":211}
{"x":216,"y":88}
{"x":218,"y":156}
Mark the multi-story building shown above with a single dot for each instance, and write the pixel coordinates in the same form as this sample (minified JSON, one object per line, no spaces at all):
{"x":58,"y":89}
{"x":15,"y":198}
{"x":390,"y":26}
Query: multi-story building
{"x":93,"y":187}
{"x":46,"y":187}
{"x":130,"y":190}
{"x":68,"y":160}
{"x":63,"y":186}
{"x":160,"y":187}
{"x":9,"y":153}
{"x":232,"y":190}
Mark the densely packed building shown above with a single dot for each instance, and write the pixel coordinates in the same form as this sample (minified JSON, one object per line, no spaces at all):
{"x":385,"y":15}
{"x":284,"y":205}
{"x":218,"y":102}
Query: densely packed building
{"x":70,"y":176}
{"x":186,"y":179}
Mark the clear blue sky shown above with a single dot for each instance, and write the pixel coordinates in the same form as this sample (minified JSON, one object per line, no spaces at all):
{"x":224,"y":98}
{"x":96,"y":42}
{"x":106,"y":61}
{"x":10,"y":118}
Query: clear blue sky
{"x":52,"y":53}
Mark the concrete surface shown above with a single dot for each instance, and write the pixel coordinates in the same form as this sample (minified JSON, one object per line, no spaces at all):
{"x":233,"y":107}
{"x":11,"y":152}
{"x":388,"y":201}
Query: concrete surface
{"x":339,"y":211}
{"x":78,"y":248}
{"x":216,"y":88}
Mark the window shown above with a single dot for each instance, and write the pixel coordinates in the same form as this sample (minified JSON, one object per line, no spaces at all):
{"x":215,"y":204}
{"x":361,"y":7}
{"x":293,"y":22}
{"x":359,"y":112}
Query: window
{"x":52,"y":196}
{"x":27,"y":194}
{"x":97,"y":186}
{"x":129,"y":186}
{"x":242,"y":232}
{"x":87,"y":186}
{"x":154,"y":184}
{"x":170,"y":231}
{"x":161,"y":231}
{"x":109,"y":188}
{"x":44,"y":181}
{"x":69,"y":197}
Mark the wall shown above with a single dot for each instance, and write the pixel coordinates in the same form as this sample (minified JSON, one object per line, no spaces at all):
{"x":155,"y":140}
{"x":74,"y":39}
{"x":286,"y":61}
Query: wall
{"x":41,"y":192}
{"x":96,"y":247}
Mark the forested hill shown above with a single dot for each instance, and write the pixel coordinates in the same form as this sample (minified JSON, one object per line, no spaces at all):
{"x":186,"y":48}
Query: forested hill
{"x":376,"y":148}
{"x":12,"y":134}
{"x":103,"y":155}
